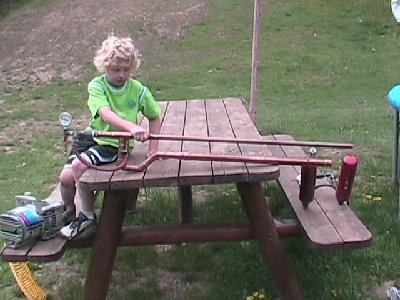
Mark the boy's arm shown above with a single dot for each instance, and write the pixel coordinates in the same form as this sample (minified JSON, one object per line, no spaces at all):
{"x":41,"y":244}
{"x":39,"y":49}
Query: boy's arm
{"x":112,"y":118}
{"x":155,"y":128}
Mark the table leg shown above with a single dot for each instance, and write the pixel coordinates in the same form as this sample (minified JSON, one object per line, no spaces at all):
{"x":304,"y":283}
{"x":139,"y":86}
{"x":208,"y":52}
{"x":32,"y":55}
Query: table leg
{"x":185,"y":203}
{"x":105,"y":245}
{"x":132,"y":199}
{"x":263,"y":227}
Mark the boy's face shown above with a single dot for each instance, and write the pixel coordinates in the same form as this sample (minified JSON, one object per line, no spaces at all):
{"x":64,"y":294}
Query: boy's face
{"x":119,"y":72}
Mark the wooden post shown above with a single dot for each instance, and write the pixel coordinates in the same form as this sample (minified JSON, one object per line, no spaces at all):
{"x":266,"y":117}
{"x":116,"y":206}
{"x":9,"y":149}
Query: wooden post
{"x":255,"y":61}
{"x":185,"y":204}
{"x":105,"y":245}
{"x":307,"y":184}
{"x":132,"y":199}
{"x":264,"y":230}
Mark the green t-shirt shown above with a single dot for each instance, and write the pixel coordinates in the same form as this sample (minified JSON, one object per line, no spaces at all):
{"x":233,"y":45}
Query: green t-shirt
{"x":127,"y":101}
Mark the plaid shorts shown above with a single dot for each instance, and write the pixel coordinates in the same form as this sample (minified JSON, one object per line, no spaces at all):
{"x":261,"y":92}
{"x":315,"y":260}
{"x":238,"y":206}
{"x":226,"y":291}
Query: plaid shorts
{"x":92,"y":152}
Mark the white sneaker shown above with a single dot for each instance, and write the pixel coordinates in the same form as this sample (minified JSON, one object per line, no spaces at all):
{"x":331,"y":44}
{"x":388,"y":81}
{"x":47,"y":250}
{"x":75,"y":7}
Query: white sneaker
{"x":393,"y":293}
{"x":78,"y":226}
{"x":69,"y":215}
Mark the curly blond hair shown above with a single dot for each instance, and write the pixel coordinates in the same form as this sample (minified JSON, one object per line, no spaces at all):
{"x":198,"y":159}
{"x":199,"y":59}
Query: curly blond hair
{"x":113,"y":49}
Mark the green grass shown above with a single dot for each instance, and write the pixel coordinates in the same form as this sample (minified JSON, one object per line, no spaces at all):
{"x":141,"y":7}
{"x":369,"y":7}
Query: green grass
{"x":326,"y":67}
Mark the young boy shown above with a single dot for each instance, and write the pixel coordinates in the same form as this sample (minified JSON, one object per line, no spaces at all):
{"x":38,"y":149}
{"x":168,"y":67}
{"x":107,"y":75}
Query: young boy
{"x":114,"y":102}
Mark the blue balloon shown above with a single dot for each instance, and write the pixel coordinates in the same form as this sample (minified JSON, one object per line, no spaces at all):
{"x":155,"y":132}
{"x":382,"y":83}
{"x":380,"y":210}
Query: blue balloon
{"x":394,"y":97}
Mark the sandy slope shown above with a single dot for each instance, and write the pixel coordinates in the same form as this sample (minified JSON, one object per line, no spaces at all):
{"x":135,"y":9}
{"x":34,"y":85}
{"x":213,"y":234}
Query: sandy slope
{"x":58,"y":39}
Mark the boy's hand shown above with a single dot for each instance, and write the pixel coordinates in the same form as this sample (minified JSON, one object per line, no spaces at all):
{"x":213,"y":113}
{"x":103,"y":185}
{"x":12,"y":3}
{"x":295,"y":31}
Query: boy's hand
{"x":139,"y":133}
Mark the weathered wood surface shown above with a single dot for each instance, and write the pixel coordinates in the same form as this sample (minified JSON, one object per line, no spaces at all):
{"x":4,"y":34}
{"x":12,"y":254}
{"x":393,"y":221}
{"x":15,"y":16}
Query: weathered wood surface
{"x":264,"y":229}
{"x":225,"y":117}
{"x":325,"y":223}
{"x":215,"y":118}
{"x":49,"y":250}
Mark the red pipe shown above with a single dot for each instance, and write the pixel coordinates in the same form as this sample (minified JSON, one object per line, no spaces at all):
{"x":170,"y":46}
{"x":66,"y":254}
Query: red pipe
{"x":245,"y":158}
{"x":123,"y":152}
{"x":249,"y":141}
{"x":208,"y":157}
{"x":127,"y":135}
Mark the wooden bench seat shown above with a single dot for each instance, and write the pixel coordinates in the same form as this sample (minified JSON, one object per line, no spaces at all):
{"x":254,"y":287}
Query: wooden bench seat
{"x":49,"y":250}
{"x":40,"y":251}
{"x":325,"y":223}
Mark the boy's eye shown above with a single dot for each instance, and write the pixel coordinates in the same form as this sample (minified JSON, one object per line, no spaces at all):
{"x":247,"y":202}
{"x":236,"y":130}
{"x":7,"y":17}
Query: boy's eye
{"x":117,"y":70}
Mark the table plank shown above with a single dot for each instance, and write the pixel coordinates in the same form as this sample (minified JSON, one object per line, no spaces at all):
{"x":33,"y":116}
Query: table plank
{"x":165,"y":172}
{"x":350,"y":228}
{"x":96,"y":180}
{"x":326,"y":223}
{"x":128,"y":179}
{"x":138,"y":155}
{"x":243,"y":128}
{"x":219,"y":126}
{"x":195,"y":172}
{"x":193,"y":118}
{"x":313,"y":220}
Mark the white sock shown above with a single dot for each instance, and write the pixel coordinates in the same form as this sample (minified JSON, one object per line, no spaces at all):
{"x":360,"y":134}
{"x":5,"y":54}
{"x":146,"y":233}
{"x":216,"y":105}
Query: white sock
{"x":69,"y":208}
{"x":89,"y":214}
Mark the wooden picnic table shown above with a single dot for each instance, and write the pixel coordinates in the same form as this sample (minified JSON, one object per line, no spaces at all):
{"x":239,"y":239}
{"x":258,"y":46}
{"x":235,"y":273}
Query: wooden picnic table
{"x":215,"y":118}
{"x":326,"y":224}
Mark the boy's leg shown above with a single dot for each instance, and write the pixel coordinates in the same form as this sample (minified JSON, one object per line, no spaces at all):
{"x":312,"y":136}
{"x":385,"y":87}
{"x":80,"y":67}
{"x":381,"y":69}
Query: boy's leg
{"x":86,"y":220}
{"x":67,"y":186}
{"x":86,"y":202}
{"x":67,"y":177}
{"x":68,"y":190}
{"x":86,"y":197}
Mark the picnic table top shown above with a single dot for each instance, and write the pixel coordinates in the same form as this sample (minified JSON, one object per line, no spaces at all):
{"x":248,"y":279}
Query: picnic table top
{"x":225,"y":117}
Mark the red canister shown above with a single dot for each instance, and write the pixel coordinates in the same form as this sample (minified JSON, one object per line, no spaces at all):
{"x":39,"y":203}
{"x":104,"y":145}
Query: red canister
{"x":346,"y":178}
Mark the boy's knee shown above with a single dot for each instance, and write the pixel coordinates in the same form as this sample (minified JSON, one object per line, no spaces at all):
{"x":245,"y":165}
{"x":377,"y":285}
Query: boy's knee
{"x":66,"y":177}
{"x":78,"y":168}
{"x":77,"y":165}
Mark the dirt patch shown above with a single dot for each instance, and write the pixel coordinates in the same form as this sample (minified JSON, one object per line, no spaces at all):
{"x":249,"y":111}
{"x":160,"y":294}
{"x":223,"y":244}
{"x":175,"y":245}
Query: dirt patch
{"x":23,"y":132}
{"x":18,"y":134}
{"x":58,"y":40}
{"x":172,"y":284}
{"x":381,"y":291}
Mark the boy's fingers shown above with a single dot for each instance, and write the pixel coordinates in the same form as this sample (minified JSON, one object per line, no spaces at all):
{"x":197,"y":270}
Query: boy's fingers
{"x":142,"y":136}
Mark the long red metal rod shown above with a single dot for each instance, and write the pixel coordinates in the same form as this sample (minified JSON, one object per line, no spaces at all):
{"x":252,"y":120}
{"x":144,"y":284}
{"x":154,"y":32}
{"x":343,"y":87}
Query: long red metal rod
{"x":308,"y":161}
{"x":209,"y":157}
{"x":124,"y":134}
{"x":124,"y":155}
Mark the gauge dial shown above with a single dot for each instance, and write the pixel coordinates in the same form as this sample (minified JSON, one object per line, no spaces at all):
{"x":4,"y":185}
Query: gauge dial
{"x":65,"y":119}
